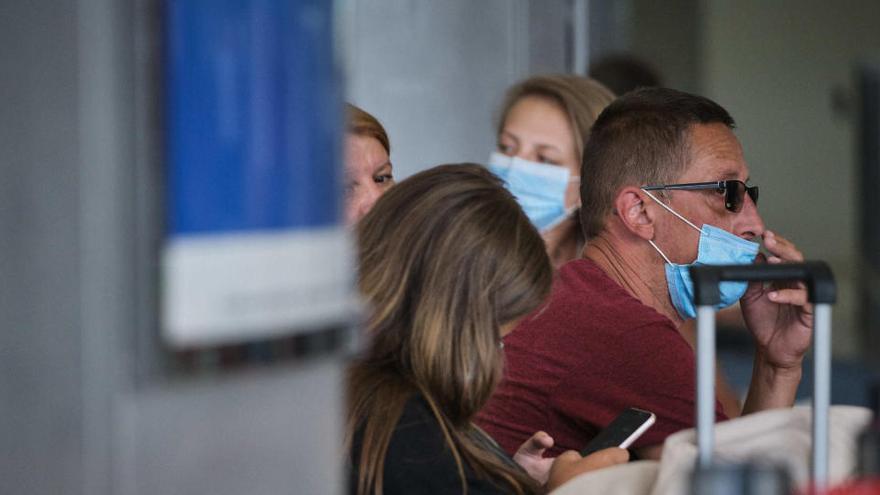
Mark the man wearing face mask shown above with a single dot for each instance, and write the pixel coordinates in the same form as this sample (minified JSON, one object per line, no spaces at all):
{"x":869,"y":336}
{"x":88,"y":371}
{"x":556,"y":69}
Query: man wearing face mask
{"x":665,"y":186}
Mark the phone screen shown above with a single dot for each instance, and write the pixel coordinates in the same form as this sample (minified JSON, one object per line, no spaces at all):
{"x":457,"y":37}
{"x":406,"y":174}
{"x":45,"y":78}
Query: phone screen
{"x":622,"y":432}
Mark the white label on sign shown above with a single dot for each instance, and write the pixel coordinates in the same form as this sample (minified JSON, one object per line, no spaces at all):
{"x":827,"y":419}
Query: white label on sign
{"x":236,"y":287}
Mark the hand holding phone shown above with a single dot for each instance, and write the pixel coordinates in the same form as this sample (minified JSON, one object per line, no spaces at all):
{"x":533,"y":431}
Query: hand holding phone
{"x":622,"y":432}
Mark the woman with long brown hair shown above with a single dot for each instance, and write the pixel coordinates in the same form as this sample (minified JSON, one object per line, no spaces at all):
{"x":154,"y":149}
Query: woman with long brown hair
{"x":448,"y":264}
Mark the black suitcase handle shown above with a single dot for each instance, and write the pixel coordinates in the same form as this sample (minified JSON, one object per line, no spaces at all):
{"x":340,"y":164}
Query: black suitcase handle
{"x":821,"y":286}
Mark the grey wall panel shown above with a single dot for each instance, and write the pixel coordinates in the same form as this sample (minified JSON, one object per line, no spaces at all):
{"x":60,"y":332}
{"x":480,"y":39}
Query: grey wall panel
{"x":551,"y":28}
{"x":270,"y":432}
{"x":40,"y":408}
{"x":106,"y":219}
{"x":667,"y":35}
{"x":434,"y":72}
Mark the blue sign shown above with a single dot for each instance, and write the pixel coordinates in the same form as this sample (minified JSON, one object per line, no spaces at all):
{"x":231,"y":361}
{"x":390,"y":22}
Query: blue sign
{"x":252,"y":118}
{"x":252,"y":115}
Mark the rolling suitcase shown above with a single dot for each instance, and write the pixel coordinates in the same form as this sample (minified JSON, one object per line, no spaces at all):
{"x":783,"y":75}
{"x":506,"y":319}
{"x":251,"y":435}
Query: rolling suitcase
{"x":822,"y":293}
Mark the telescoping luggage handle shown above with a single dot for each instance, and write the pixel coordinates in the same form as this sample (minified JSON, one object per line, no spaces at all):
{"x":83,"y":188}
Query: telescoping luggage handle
{"x":821,"y":290}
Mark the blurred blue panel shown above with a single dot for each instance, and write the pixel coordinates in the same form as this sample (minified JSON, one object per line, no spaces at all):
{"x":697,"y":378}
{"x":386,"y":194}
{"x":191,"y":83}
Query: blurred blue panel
{"x":252,"y":116}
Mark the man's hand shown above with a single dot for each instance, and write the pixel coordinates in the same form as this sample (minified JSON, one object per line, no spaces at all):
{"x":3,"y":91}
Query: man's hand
{"x":530,"y":456}
{"x":570,"y":464}
{"x":778,"y":315}
{"x":781,"y":319}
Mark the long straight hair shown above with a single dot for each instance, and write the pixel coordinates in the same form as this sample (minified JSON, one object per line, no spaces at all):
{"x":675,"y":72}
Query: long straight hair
{"x":446,"y":257}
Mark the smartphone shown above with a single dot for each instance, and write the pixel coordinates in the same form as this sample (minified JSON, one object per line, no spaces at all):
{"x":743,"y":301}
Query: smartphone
{"x":622,"y":432}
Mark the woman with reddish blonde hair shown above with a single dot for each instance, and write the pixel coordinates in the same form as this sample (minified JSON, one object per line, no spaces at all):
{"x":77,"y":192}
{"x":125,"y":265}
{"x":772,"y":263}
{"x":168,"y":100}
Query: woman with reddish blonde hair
{"x":368,"y":169}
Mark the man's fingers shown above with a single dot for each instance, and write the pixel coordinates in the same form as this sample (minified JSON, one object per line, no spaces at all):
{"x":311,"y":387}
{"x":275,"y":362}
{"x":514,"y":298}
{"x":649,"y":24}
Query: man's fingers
{"x":797,"y":297}
{"x":781,"y":248}
{"x":755,"y":288}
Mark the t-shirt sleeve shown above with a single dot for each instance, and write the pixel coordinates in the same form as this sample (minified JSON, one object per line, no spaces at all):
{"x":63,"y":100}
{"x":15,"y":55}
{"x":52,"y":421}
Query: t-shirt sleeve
{"x":650,"y":367}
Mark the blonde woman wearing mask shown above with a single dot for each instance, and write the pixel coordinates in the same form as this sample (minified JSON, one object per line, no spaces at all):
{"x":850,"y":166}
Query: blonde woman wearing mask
{"x":544,"y":124}
{"x":448,"y":265}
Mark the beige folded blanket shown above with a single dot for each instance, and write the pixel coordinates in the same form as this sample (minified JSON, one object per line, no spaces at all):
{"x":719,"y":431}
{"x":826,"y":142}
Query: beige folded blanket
{"x":779,"y":436}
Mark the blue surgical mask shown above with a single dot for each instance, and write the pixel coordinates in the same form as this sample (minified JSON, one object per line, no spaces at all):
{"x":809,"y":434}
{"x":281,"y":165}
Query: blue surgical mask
{"x":716,"y":247}
{"x":539,"y":188}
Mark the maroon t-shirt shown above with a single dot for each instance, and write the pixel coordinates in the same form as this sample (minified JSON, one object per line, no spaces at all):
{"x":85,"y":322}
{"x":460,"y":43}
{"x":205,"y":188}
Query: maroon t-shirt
{"x":590,"y":352}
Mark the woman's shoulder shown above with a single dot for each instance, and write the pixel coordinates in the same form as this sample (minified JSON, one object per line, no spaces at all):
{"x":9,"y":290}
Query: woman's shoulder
{"x":418,"y":437}
{"x":419,"y":458}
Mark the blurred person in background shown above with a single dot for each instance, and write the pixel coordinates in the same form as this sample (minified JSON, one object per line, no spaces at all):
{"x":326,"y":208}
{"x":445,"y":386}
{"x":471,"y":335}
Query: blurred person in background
{"x":448,"y":264}
{"x":368,"y":169}
{"x":544,"y":124}
{"x":622,"y":73}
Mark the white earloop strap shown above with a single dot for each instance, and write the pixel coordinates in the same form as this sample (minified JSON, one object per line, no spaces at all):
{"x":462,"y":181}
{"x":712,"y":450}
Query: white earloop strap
{"x":670,"y":210}
{"x":661,"y":252}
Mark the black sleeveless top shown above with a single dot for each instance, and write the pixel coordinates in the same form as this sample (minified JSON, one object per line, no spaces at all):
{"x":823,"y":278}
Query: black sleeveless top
{"x":419,"y":460}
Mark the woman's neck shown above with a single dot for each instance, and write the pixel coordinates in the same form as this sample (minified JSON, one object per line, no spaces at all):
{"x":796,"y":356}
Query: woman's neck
{"x":562,"y":242}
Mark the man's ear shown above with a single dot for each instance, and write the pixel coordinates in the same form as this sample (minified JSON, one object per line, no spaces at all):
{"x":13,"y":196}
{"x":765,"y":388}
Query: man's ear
{"x":633,"y":212}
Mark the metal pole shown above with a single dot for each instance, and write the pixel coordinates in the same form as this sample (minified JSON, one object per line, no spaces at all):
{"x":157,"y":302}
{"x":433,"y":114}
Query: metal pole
{"x":705,"y":384}
{"x":821,"y":392}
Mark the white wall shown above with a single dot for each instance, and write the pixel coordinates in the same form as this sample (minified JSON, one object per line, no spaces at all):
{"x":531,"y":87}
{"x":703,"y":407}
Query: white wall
{"x":434,"y":72}
{"x":774,"y":65}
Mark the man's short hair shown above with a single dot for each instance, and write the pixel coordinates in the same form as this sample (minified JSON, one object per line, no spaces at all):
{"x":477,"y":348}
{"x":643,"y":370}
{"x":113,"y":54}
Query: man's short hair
{"x":641,"y":138}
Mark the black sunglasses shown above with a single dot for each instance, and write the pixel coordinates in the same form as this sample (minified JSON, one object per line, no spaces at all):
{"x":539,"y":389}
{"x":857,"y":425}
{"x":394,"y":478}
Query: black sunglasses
{"x":734,"y":191}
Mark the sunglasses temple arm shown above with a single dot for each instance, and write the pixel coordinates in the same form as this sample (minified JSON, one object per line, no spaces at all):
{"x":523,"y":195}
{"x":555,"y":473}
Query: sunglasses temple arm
{"x":685,"y":187}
